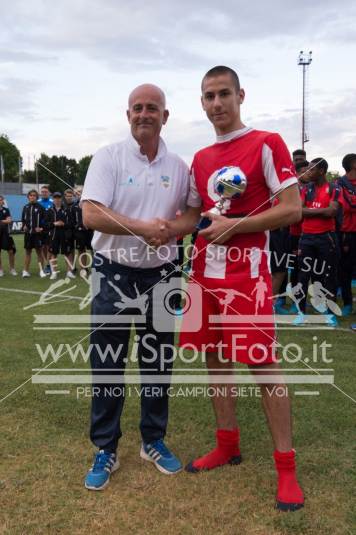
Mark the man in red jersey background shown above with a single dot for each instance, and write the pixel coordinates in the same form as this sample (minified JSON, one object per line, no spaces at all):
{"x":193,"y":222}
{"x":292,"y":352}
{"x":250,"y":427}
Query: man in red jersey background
{"x":233,"y":253}
{"x":347,"y":185}
{"x":318,"y":248}
{"x":295,"y":230}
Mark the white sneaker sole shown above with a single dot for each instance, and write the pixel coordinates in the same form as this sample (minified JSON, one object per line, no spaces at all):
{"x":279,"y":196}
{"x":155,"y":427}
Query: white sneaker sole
{"x":146,"y":457}
{"x":114,"y":468}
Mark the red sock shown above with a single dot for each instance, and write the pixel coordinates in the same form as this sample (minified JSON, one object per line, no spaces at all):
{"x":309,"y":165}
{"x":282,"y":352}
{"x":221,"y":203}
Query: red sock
{"x":289,"y":494}
{"x":226,"y":451}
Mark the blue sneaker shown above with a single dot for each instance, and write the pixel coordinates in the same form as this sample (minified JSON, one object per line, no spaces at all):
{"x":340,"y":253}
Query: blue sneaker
{"x":293,"y":309}
{"x":331,"y":320}
{"x":279,"y":309}
{"x":99,"y":474}
{"x":299,"y":320}
{"x":163,"y":459}
{"x":347,"y":310}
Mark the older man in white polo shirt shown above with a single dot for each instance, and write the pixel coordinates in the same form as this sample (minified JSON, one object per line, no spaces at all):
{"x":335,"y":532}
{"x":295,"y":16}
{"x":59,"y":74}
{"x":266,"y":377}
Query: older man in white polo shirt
{"x":132,"y":193}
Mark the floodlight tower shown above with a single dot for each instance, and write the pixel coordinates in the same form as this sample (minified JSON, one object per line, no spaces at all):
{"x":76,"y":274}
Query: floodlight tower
{"x":305,"y":59}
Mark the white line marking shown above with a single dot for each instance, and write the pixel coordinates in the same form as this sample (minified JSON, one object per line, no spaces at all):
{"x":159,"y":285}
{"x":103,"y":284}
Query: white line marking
{"x":57,"y":391}
{"x":237,"y":371}
{"x":178,"y":379}
{"x":307,"y":393}
{"x":32,"y":292}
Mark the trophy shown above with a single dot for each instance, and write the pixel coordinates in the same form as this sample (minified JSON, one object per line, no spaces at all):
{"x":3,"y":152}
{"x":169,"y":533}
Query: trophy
{"x":229,"y":183}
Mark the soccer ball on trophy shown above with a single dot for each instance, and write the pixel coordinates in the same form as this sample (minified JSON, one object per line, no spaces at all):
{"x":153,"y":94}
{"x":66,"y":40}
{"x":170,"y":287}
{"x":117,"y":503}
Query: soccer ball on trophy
{"x":229,"y":183}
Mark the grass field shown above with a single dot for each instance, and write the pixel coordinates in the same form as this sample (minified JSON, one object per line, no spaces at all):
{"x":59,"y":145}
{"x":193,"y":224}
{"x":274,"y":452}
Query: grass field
{"x":45,"y":451}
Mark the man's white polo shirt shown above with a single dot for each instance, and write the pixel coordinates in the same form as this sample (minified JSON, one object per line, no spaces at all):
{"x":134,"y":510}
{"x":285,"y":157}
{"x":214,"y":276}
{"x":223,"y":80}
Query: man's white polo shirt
{"x":121,"y":178}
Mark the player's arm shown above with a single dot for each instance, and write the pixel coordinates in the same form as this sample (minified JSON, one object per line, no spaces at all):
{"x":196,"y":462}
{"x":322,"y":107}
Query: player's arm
{"x":185,"y":223}
{"x":96,"y":216}
{"x":49,"y":222}
{"x":42,"y":220}
{"x":286,"y":212}
{"x":328,"y":212}
{"x":8,"y":218}
{"x":61,"y":219}
{"x":23,"y":219}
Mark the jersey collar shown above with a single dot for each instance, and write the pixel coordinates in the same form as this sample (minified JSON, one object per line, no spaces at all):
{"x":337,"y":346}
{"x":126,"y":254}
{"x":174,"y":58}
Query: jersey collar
{"x":135,"y":149}
{"x":233,"y":135}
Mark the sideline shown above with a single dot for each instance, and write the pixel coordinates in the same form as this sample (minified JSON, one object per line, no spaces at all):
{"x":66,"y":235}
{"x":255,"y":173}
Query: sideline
{"x":32,"y":292}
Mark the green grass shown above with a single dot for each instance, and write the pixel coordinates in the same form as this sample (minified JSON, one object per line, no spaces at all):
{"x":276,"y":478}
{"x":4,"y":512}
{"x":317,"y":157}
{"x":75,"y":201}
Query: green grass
{"x":45,"y":450}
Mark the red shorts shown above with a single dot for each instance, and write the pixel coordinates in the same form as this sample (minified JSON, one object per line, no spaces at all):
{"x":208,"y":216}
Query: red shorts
{"x":236,"y":318}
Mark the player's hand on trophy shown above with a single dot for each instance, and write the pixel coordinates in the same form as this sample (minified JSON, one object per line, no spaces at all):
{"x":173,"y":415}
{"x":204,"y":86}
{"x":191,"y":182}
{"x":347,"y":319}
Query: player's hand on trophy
{"x":220,"y":230}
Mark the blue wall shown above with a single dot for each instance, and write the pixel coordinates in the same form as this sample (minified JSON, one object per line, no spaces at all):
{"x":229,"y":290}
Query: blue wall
{"x":15,"y":203}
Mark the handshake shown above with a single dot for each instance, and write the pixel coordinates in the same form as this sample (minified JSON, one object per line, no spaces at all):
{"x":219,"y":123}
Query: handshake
{"x":157,"y":232}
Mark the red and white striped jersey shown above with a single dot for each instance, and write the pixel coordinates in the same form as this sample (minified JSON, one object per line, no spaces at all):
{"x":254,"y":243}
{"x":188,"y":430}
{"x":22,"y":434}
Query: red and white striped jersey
{"x":263,"y":158}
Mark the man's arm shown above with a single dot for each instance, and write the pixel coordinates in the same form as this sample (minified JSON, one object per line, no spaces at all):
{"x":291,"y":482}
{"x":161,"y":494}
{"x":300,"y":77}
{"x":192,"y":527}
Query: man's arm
{"x":96,"y":216}
{"x":286,"y":212}
{"x":186,"y":223}
{"x":328,"y":212}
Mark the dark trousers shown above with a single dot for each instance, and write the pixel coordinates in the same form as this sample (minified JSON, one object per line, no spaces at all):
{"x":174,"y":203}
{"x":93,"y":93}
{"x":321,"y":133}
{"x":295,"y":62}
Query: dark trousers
{"x":108,"y":398}
{"x":293,"y":251}
{"x":347,"y":266}
{"x":317,"y":261}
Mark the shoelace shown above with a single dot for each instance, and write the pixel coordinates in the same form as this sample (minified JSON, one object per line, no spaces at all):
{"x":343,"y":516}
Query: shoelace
{"x":101,"y":460}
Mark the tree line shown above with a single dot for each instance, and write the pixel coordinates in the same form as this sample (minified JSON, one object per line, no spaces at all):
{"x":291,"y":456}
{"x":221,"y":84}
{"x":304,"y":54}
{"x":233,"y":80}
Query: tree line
{"x":48,"y":168}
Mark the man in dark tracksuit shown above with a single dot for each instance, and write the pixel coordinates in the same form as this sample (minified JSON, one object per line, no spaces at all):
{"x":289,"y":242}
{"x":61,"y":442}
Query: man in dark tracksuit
{"x":33,"y":216}
{"x":55,"y":224}
{"x":318,"y":249}
{"x":46,"y":202}
{"x":6,"y":241}
{"x":82,"y":235}
{"x":347,"y":234}
{"x":69,"y":224}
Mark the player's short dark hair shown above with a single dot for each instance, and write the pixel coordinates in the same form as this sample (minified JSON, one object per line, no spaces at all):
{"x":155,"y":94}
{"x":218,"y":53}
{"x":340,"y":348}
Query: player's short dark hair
{"x":45,"y":187}
{"x":320,"y":163}
{"x":68,"y":190}
{"x":32,"y":191}
{"x":347,"y":161}
{"x":300,"y":165}
{"x":221,"y":69}
{"x":299,"y":152}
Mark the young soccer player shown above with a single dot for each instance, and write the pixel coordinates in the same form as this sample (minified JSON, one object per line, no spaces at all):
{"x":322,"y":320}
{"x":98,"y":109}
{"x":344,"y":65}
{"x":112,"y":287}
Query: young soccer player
{"x":46,"y":202}
{"x":32,"y":216}
{"x":82,"y":235}
{"x":56,"y":240}
{"x":264,"y":160}
{"x":6,"y":241}
{"x":318,"y":243}
{"x":69,"y":225}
